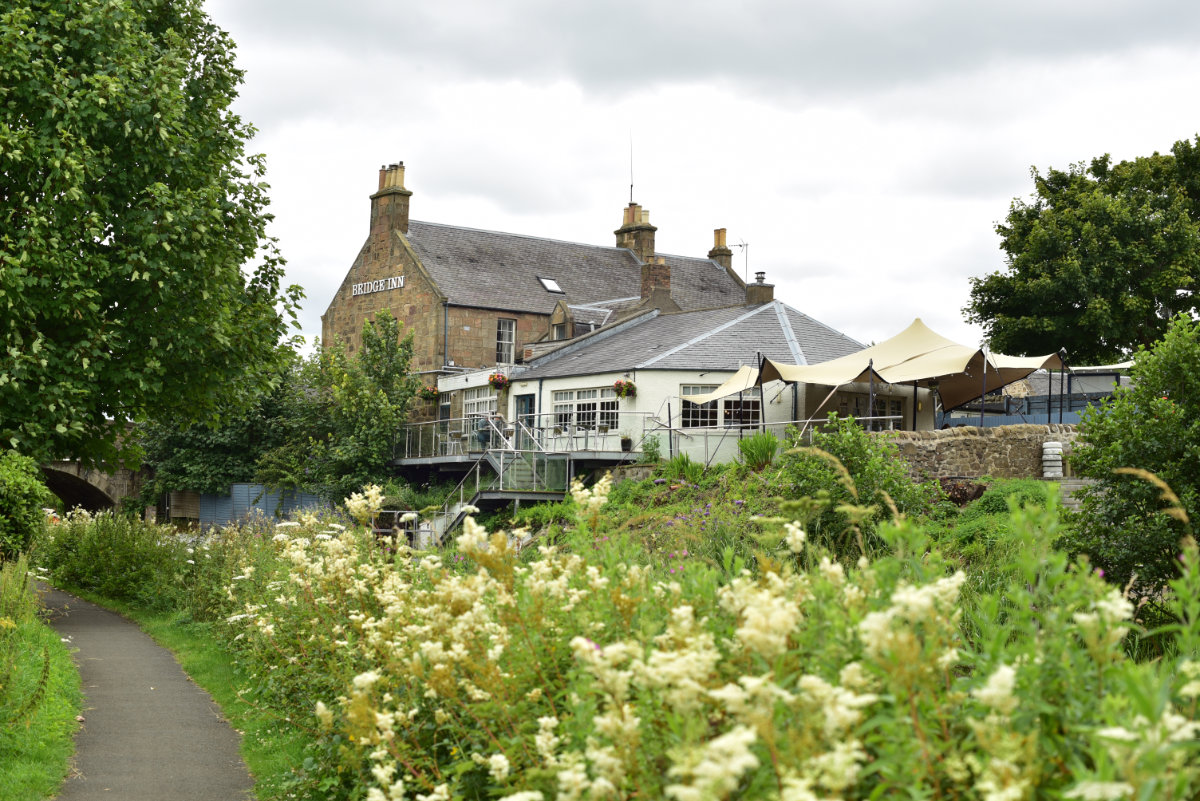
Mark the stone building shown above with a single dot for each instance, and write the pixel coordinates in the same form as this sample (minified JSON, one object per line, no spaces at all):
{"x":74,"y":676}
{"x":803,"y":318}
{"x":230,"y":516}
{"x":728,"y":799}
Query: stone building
{"x":479,"y":299}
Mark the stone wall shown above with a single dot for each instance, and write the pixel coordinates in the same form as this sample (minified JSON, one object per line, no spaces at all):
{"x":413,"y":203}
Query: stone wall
{"x":1002,"y":452}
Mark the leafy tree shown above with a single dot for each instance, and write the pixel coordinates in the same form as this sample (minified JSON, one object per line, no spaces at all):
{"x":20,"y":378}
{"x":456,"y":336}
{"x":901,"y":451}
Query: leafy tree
{"x":1098,"y":260}
{"x":22,"y":496}
{"x":207,"y":458}
{"x":370,"y":394}
{"x":1153,"y":425}
{"x":128,"y":208}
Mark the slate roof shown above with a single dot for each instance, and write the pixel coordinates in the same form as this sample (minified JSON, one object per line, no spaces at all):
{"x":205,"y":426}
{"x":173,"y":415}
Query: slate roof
{"x":709,"y":339}
{"x":489,"y":269}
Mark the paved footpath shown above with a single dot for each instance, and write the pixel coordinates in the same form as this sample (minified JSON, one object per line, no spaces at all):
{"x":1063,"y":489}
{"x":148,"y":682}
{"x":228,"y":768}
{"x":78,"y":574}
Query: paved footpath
{"x":149,"y":734}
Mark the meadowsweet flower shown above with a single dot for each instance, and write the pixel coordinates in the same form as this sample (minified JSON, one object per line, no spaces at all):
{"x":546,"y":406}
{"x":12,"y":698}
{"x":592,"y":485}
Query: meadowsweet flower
{"x":794,"y":536}
{"x":1190,"y":670}
{"x":498,"y":767}
{"x":715,"y":768}
{"x":324,"y":715}
{"x":838,"y":769}
{"x":365,"y":681}
{"x":287,"y":524}
{"x":440,"y":793}
{"x":997,"y":693}
{"x":1100,"y":791}
{"x":524,"y":795}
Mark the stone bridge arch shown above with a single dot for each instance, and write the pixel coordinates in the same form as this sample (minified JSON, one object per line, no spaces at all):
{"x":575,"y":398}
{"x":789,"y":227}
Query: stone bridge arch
{"x":94,"y":490}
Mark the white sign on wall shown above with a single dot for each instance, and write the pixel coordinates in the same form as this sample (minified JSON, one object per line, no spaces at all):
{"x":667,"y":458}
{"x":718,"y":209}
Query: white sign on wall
{"x":367,"y":287}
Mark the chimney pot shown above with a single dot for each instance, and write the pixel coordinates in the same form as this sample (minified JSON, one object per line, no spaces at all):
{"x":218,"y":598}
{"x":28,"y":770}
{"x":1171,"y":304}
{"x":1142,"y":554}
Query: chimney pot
{"x":760,"y":277}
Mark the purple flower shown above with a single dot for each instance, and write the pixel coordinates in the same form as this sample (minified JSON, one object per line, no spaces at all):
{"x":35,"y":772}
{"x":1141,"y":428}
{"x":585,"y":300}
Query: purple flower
{"x":738,"y":502}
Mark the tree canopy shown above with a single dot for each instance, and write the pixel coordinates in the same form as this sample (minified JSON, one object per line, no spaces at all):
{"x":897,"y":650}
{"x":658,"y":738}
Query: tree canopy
{"x":1125,"y":526}
{"x":129,"y":210}
{"x":1098,"y":260}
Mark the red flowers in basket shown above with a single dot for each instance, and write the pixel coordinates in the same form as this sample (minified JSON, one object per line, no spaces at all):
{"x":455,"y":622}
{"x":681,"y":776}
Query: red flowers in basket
{"x":625,"y":389}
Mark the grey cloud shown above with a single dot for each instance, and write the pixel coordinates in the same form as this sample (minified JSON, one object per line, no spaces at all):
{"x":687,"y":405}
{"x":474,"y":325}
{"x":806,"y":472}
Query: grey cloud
{"x":805,"y":48}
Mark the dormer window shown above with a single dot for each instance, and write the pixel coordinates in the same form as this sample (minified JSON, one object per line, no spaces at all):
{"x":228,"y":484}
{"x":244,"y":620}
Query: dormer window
{"x":551,"y":285}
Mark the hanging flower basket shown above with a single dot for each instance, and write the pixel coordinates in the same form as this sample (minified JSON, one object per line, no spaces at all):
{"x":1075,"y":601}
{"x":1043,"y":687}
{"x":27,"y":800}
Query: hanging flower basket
{"x":498,"y":381}
{"x":625,"y":389}
{"x":428,"y":393}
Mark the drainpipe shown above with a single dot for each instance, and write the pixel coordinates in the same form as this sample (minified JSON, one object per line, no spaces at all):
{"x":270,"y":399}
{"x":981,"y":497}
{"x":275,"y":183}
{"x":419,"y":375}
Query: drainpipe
{"x":445,"y":333}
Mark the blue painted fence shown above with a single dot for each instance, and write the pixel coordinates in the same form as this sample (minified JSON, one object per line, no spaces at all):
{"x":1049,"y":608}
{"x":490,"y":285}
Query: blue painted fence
{"x":244,"y":500}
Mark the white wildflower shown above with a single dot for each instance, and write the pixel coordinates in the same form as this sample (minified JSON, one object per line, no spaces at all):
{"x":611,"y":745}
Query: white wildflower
{"x":287,"y":524}
{"x":440,"y":793}
{"x":364,"y":681}
{"x":838,"y":769}
{"x":794,"y":536}
{"x":324,"y":715}
{"x":714,"y":769}
{"x":1100,"y":791}
{"x":997,"y":693}
{"x":1191,"y":671}
{"x":498,"y":767}
{"x":524,"y":795}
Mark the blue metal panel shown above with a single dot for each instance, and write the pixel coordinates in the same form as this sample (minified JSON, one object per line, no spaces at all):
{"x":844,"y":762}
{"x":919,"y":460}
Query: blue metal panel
{"x":215,"y":510}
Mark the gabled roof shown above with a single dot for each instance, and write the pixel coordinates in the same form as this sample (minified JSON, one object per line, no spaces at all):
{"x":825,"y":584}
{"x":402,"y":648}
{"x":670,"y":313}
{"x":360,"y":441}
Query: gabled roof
{"x":494,"y":270}
{"x":709,"y":339}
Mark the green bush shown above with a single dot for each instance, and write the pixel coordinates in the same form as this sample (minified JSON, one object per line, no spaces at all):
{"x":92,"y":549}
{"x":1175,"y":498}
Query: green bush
{"x":1154,"y":426}
{"x":115,"y":556}
{"x":864,"y":471}
{"x":759,"y":449}
{"x":23,"y":495}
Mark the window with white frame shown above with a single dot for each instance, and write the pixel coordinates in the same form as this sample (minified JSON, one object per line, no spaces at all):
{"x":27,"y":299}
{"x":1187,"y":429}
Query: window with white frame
{"x":559,"y":331}
{"x":586,"y":408}
{"x":697,"y":415}
{"x":506,"y":339}
{"x":742,"y":410}
{"x":479,"y":401}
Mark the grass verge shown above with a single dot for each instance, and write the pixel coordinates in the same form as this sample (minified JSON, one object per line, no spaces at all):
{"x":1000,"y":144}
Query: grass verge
{"x":35,"y":751}
{"x":272,"y":747}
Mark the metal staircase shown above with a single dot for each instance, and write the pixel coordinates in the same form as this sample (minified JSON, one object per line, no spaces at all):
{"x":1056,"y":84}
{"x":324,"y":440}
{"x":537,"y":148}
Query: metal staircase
{"x":500,"y":476}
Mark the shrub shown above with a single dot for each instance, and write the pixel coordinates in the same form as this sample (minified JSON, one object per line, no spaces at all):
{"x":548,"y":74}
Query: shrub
{"x":759,"y":449}
{"x":1153,"y":425}
{"x":681,"y":467}
{"x":115,"y":556}
{"x":846,"y":465}
{"x":23,"y":495}
{"x":651,"y":453}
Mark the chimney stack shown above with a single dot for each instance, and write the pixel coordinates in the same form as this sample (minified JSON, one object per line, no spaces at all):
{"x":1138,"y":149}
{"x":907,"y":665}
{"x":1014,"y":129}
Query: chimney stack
{"x":636,"y":232}
{"x":389,"y":205}
{"x":721,"y":253}
{"x":759,"y":292}
{"x":656,"y":277}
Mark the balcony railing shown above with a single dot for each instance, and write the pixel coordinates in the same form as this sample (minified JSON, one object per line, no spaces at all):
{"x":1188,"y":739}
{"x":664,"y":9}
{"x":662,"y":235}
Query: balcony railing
{"x":600,"y":432}
{"x":548,"y":433}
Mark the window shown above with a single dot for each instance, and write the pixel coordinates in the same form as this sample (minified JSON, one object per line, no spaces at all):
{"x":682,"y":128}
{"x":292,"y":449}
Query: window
{"x":559,"y":331}
{"x":551,"y":285}
{"x":479,"y":401}
{"x":742,"y":410}
{"x":586,"y":408}
{"x":506,"y":339}
{"x":698,"y":415}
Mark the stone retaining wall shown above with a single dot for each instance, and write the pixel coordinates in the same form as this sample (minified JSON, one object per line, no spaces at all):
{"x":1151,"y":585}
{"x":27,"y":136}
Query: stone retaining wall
{"x":1002,"y":452}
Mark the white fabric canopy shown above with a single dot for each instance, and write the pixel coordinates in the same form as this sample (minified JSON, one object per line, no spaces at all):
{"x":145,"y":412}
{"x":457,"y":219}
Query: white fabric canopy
{"x":917,"y":355}
{"x":745,"y":378}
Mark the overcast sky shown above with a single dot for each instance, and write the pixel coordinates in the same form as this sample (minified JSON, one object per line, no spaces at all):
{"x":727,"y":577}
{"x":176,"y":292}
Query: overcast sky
{"x":863,"y":150}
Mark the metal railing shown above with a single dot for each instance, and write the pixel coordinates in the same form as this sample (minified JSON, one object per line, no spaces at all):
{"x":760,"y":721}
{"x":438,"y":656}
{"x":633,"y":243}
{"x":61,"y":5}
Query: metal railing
{"x":549,"y":433}
{"x":714,"y":444}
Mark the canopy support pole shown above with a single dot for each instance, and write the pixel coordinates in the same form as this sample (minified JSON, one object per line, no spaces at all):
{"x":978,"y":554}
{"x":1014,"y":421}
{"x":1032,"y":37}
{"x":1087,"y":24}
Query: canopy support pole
{"x":983,"y":394}
{"x":914,"y":414}
{"x":871,"y":396}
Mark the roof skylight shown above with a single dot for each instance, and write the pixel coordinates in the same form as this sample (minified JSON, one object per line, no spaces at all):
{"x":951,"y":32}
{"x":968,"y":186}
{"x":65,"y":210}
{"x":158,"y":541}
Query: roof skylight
{"x":551,"y":285}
